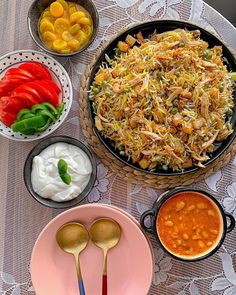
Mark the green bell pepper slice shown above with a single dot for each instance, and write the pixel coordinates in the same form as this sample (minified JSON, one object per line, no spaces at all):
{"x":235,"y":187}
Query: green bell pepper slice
{"x":60,"y":108}
{"x":47,"y":113}
{"x":37,"y":119}
{"x":27,"y":116}
{"x":22,"y":113}
{"x":51,"y":108}
{"x":29,"y":132}
{"x":30,"y":123}
{"x":41,"y":129}
{"x":37,"y":107}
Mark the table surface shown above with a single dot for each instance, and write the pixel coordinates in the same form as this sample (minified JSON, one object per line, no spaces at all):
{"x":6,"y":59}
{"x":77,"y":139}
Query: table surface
{"x":22,"y":218}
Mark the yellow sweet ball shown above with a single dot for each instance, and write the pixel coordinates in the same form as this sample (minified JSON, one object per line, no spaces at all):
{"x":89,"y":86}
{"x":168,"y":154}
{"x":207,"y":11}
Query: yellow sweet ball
{"x":74,"y":29}
{"x":66,"y":36}
{"x":56,"y":9}
{"x":59,"y":45}
{"x":74,"y":44}
{"x":64,"y":4}
{"x":82,"y":37}
{"x":61,"y":25}
{"x":49,"y":36}
{"x":74,"y":17}
{"x":46,"y":25}
{"x":84,"y":21}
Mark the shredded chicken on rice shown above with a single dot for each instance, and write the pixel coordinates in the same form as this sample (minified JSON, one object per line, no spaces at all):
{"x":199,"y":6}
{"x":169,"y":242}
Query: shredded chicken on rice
{"x":164,"y":101}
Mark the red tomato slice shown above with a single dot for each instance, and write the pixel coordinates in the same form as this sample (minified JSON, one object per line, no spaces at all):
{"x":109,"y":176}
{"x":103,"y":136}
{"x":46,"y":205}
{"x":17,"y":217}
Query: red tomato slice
{"x":3,"y":100}
{"x":28,"y":89}
{"x":21,"y":72}
{"x":56,"y":87}
{"x":23,"y":79}
{"x":7,"y":85}
{"x":11,"y":104}
{"x":37,"y":69}
{"x":12,"y":81}
{"x":55,"y":98}
{"x":8,"y":118}
{"x":27,"y":98}
{"x":46,"y":91}
{"x":4,"y":88}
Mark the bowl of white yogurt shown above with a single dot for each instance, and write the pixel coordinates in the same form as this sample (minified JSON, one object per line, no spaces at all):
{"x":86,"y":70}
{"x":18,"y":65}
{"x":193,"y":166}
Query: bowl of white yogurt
{"x":60,"y":172}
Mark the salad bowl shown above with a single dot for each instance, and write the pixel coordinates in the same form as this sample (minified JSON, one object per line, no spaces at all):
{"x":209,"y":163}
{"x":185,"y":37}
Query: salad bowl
{"x":59,"y":76}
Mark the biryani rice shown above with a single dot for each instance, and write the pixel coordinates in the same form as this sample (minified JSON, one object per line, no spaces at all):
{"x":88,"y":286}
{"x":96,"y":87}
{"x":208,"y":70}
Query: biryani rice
{"x":164,"y":101}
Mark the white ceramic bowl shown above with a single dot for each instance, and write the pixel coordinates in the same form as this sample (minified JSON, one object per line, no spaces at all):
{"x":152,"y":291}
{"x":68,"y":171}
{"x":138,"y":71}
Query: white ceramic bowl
{"x":59,"y":75}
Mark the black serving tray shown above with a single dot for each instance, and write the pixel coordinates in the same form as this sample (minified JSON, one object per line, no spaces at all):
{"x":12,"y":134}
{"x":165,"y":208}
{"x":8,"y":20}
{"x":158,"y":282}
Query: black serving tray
{"x":147,"y":28}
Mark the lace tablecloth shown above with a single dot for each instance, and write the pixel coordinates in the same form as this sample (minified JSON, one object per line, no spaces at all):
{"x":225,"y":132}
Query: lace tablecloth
{"x":22,"y":218}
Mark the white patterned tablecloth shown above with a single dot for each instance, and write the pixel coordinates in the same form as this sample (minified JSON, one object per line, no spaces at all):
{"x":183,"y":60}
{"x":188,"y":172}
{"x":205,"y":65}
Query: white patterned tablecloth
{"x":22,"y":218}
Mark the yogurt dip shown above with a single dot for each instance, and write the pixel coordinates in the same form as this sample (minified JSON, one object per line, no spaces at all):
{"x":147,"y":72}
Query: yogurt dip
{"x":45,"y":177}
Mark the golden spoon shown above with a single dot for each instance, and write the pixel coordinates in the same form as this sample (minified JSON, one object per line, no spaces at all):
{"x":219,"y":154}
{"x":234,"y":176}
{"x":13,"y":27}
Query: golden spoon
{"x":72,"y":238}
{"x":105,"y":233}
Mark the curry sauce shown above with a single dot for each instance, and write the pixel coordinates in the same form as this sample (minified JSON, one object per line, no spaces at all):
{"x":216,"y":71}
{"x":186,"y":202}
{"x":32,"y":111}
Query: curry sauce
{"x":189,"y":224}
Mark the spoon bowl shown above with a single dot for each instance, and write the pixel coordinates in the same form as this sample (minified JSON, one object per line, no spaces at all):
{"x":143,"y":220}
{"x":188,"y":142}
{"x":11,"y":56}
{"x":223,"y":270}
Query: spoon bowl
{"x":72,"y":237}
{"x":105,"y":233}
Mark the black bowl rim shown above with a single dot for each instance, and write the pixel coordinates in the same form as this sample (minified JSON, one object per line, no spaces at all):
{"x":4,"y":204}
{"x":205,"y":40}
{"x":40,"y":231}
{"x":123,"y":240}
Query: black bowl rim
{"x":39,"y":148}
{"x":171,"y":193}
{"x":192,"y":169}
{"x":40,"y":44}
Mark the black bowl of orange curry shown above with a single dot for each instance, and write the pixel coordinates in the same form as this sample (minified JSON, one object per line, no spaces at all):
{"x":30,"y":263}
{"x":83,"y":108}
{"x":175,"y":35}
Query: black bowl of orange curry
{"x":189,"y":224}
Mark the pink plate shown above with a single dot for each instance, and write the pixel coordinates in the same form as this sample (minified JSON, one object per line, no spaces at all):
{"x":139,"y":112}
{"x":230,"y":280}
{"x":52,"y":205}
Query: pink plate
{"x":130,"y":264}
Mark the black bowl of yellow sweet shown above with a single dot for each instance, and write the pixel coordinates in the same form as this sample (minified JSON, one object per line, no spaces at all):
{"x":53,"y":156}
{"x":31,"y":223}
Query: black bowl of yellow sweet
{"x":63,"y":28}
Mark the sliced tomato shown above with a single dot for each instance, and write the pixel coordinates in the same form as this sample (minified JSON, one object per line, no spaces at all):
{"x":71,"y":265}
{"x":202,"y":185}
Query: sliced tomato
{"x":21,"y":72}
{"x":56,"y":87}
{"x":37,"y":69}
{"x":3,"y":100}
{"x":46,"y":91}
{"x":55,"y":100}
{"x":4,"y":88}
{"x":23,"y":79}
{"x":8,"y":118}
{"x":11,"y":104}
{"x":27,"y":98}
{"x":12,"y":80}
{"x":7,"y":85}
{"x":28,"y":89}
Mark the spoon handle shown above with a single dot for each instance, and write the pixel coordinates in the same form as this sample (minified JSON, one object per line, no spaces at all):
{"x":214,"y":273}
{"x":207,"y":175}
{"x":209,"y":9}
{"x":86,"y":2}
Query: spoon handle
{"x":81,"y":287}
{"x":104,"y":285}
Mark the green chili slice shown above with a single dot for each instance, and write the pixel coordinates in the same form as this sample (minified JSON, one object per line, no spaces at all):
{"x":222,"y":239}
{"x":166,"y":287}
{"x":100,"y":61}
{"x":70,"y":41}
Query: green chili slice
{"x":62,"y":166}
{"x":62,"y":169}
{"x":66,"y":178}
